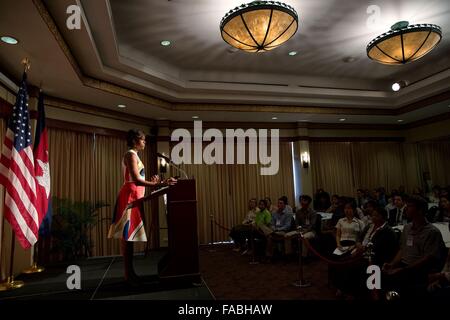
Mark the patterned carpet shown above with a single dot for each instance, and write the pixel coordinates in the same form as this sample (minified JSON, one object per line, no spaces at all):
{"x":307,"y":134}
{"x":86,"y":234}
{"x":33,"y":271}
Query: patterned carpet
{"x":230,"y":276}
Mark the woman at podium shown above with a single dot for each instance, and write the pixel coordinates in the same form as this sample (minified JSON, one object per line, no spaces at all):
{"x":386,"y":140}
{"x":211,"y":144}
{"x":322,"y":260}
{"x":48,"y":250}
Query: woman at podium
{"x":127,"y":223}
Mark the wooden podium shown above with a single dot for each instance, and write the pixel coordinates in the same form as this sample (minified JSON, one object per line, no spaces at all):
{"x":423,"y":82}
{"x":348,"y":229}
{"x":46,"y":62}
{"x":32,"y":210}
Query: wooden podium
{"x":182,"y":257}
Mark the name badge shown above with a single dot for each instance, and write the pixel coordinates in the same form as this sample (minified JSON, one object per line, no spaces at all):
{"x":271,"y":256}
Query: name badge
{"x":409,"y":241}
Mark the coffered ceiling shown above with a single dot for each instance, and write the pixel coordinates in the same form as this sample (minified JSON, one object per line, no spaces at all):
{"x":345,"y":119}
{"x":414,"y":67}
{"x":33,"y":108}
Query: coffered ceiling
{"x":116,"y":58}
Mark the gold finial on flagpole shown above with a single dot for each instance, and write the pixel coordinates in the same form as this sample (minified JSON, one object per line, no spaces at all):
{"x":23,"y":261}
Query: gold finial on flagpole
{"x":26,"y":64}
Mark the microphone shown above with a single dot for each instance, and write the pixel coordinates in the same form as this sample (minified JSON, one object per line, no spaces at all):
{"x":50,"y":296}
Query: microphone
{"x":164,"y":157}
{"x":160,"y":155}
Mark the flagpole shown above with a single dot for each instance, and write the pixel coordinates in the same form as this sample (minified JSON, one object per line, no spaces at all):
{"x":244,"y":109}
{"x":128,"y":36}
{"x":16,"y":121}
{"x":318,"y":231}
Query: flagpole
{"x":35,"y":268}
{"x":10,"y":283}
{"x":2,"y":284}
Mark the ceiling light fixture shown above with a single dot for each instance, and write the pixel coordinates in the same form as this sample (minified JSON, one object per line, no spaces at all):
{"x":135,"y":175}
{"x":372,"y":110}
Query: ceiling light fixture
{"x":9,"y":40}
{"x":194,"y":117}
{"x":165,"y":43}
{"x":259,"y":26}
{"x":292,"y":53}
{"x":274,"y":118}
{"x":121,"y":106}
{"x":399,"y":120}
{"x":404,"y":43}
{"x":342,"y":119}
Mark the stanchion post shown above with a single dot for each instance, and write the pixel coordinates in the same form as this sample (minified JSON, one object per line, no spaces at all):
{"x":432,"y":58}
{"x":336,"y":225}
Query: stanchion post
{"x":301,"y":282}
{"x":211,"y":248}
{"x":252,"y":241}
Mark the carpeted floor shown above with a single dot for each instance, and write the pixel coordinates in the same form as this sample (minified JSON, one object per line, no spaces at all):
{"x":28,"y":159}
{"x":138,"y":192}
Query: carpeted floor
{"x":229,"y":275}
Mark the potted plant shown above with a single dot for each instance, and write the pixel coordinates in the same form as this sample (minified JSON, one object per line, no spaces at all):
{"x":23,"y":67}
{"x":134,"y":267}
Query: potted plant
{"x":71,"y":224}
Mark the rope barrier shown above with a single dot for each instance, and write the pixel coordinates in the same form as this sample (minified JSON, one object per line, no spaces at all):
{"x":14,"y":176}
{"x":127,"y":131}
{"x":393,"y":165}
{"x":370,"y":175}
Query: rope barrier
{"x":221,"y":226}
{"x":329,"y":261}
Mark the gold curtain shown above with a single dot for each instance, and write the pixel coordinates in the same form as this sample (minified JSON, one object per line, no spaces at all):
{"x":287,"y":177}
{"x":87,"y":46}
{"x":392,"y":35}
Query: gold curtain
{"x":342,"y":167}
{"x":223,"y":191}
{"x":378,"y":164}
{"x":434,"y":158}
{"x":331,"y":165}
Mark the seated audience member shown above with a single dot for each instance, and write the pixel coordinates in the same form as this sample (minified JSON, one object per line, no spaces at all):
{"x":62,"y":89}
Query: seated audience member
{"x":433,"y":196}
{"x":366,"y":216}
{"x":439,"y":283}
{"x":418,"y":192}
{"x":321,"y":201}
{"x":377,"y":245}
{"x":361,"y":198}
{"x":263,"y":220}
{"x":398,"y":215}
{"x":334,"y":204}
{"x":444,"y":209}
{"x":390,"y":202}
{"x":349,"y":228}
{"x":270,"y":207}
{"x":380,"y":197}
{"x":422,"y":251}
{"x":241,"y":232}
{"x":306,"y":220}
{"x":379,"y":238}
{"x":288,"y":207}
{"x":338,"y":213}
{"x":280,"y":225}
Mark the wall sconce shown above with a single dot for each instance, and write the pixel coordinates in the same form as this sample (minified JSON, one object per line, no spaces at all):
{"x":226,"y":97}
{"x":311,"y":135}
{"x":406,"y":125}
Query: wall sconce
{"x":305,"y":160}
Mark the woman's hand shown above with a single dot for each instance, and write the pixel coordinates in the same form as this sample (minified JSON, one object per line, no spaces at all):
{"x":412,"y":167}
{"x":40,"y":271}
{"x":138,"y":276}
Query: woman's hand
{"x":171,"y":181}
{"x":155,"y":179}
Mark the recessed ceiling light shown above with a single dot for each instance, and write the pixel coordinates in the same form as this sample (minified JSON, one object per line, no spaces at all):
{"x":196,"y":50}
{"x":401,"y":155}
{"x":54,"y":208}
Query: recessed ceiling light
{"x":274,"y":118}
{"x":395,"y":86}
{"x":342,"y":119}
{"x":303,"y":120}
{"x":399,"y":120}
{"x":121,"y":106}
{"x":165,"y":43}
{"x":9,"y":40}
{"x":194,"y":117}
{"x":292,"y":53}
{"x":349,"y":59}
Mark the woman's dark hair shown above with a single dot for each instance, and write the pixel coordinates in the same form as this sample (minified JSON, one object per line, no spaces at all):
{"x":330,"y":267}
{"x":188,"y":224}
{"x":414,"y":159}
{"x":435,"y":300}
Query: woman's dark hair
{"x":305,"y":197}
{"x":263,"y":201}
{"x":382,"y":212}
{"x":284,"y":199}
{"x":133,"y":135}
{"x":351,"y":202}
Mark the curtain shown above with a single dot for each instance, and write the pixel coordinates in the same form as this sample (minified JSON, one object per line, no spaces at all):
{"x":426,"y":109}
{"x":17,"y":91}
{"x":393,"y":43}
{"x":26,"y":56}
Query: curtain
{"x":434,"y":158}
{"x":223,"y":191}
{"x":378,"y":164}
{"x":342,"y":167}
{"x":332,"y":168}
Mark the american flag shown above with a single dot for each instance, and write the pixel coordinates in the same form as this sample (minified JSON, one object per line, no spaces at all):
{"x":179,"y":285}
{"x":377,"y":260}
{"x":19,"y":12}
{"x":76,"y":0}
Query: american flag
{"x":17,"y":173}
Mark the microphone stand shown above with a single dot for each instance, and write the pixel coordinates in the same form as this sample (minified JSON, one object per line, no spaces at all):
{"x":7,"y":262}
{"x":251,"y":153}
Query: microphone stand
{"x":179,"y":169}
